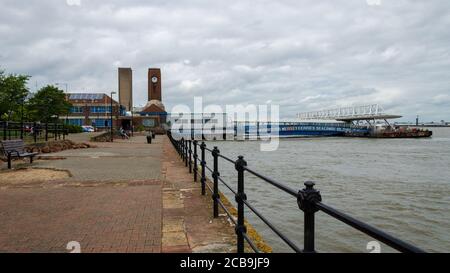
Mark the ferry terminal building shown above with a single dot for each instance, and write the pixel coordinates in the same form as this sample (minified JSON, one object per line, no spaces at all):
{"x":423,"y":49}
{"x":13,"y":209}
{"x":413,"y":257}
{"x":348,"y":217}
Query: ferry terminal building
{"x":96,"y":109}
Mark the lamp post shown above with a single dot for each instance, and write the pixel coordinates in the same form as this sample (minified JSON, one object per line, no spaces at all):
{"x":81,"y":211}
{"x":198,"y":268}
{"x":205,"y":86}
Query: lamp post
{"x":112,"y":133}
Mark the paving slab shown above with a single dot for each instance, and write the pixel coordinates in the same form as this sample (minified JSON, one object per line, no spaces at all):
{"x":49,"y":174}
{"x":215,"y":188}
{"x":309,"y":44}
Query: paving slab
{"x":126,"y":196}
{"x":121,"y":160}
{"x":100,"y":219}
{"x":188,"y":225}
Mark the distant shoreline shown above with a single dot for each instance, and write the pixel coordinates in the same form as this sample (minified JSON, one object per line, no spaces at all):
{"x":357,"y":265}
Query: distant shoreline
{"x":428,"y":125}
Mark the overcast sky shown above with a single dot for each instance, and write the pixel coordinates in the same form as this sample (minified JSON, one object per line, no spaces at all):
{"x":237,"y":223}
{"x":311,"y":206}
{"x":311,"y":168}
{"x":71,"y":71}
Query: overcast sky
{"x":301,"y":54}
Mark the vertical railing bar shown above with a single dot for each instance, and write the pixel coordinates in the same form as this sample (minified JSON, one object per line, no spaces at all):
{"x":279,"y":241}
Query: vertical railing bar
{"x":182,"y":149}
{"x":240,"y":197}
{"x":190,"y":156}
{"x":306,"y":200}
{"x":35,"y":132}
{"x":203,"y":164}
{"x":186,"y":153}
{"x":216,"y":196}
{"x":195,"y":161}
{"x":5,"y":126}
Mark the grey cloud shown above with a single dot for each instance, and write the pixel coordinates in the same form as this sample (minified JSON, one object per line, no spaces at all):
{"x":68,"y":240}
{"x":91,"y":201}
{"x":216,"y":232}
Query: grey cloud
{"x":302,"y":54}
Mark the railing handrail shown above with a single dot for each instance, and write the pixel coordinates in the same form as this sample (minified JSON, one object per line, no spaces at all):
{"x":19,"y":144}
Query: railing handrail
{"x":308,"y":199}
{"x":369,"y":230}
{"x":6,"y":127}
{"x":273,"y":182}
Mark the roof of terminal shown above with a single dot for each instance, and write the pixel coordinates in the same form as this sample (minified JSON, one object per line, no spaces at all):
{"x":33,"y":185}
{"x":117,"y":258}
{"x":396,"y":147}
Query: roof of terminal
{"x":86,"y":96}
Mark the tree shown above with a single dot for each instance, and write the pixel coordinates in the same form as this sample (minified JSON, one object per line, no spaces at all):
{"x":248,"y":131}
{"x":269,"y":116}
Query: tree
{"x":48,"y":104}
{"x":13,"y":92}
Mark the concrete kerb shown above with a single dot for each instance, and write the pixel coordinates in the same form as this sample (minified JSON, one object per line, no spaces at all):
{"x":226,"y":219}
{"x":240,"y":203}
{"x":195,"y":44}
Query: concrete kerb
{"x":251,"y":231}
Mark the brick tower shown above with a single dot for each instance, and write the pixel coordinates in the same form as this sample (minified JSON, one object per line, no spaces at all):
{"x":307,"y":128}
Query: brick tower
{"x":154,"y":84}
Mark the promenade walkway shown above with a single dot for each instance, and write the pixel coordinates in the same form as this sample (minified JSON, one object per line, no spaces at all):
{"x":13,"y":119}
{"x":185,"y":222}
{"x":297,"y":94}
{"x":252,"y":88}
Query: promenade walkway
{"x":126,"y":196}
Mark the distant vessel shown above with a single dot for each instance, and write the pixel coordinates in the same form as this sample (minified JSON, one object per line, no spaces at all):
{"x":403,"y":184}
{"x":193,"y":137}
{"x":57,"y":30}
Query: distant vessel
{"x":395,"y":131}
{"x":360,"y":121}
{"x":327,"y":129}
{"x":295,"y":129}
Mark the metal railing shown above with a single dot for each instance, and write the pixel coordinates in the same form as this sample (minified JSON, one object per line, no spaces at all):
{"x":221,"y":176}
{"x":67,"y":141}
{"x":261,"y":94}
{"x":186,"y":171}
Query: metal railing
{"x":308,"y":199}
{"x":33,"y":131}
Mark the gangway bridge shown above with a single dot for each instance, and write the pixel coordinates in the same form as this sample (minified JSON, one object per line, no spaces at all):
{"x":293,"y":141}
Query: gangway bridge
{"x":349,"y":114}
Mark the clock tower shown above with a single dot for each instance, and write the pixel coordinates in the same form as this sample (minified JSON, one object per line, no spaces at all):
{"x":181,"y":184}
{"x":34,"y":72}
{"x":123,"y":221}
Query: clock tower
{"x":154,"y":84}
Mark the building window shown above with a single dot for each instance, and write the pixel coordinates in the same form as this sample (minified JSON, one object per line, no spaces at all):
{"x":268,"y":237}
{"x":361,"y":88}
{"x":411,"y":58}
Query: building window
{"x":76,"y":109}
{"x":148,"y":122}
{"x":100,"y":109}
{"x":101,"y":123}
{"x":78,"y":122}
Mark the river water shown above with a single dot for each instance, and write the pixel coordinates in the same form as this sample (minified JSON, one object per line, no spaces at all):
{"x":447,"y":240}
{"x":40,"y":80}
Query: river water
{"x":399,"y":185}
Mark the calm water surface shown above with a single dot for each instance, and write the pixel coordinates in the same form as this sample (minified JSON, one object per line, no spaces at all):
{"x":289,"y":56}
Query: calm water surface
{"x":399,"y":185}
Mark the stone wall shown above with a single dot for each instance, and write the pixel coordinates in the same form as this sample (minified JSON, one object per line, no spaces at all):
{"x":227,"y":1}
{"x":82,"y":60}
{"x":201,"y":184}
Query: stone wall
{"x":105,"y":137}
{"x":56,"y":146}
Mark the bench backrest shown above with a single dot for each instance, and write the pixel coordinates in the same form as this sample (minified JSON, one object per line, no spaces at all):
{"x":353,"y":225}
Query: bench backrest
{"x":13,"y":145}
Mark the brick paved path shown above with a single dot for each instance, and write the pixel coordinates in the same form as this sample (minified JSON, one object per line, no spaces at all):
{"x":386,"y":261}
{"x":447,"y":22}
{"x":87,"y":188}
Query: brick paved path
{"x":188,"y":225}
{"x":112,"y":202}
{"x":147,"y":204}
{"x":101,"y":219}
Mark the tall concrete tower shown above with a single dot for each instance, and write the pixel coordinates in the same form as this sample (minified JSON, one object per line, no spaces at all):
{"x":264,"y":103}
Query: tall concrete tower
{"x":126,"y":88}
{"x":154,"y":84}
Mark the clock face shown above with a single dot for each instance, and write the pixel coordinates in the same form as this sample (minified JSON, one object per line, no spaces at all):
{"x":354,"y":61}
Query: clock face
{"x":154,"y":80}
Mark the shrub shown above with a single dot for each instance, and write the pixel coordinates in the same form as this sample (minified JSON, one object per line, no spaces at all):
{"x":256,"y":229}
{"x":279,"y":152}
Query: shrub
{"x":74,"y":129}
{"x":140,"y":128}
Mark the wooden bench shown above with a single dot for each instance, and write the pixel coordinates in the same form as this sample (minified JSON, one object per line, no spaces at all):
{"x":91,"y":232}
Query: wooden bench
{"x":15,"y":149}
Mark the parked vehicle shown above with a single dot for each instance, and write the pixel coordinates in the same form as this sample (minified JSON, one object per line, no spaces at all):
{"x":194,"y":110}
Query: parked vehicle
{"x":87,"y":128}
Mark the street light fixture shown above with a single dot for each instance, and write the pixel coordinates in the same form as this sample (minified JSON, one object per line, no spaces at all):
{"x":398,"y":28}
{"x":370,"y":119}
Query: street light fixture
{"x":112,"y":133}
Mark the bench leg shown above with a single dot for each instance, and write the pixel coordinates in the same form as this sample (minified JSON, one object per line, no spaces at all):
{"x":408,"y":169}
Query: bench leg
{"x":9,"y":161}
{"x":31,"y":159}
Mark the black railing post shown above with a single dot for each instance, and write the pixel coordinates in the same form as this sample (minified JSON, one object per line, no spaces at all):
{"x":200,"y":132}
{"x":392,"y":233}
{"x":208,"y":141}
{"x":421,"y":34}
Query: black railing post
{"x":216,"y":174}
{"x":21,"y":129}
{"x":35,"y":131}
{"x":182,"y":148}
{"x":55,"y":131}
{"x":5,"y":127}
{"x":186,"y":153}
{"x":195,"y":160}
{"x":190,"y":156}
{"x":240,"y":198}
{"x":9,"y":160}
{"x":203,"y":164}
{"x":46,"y":131}
{"x":306,"y":200}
